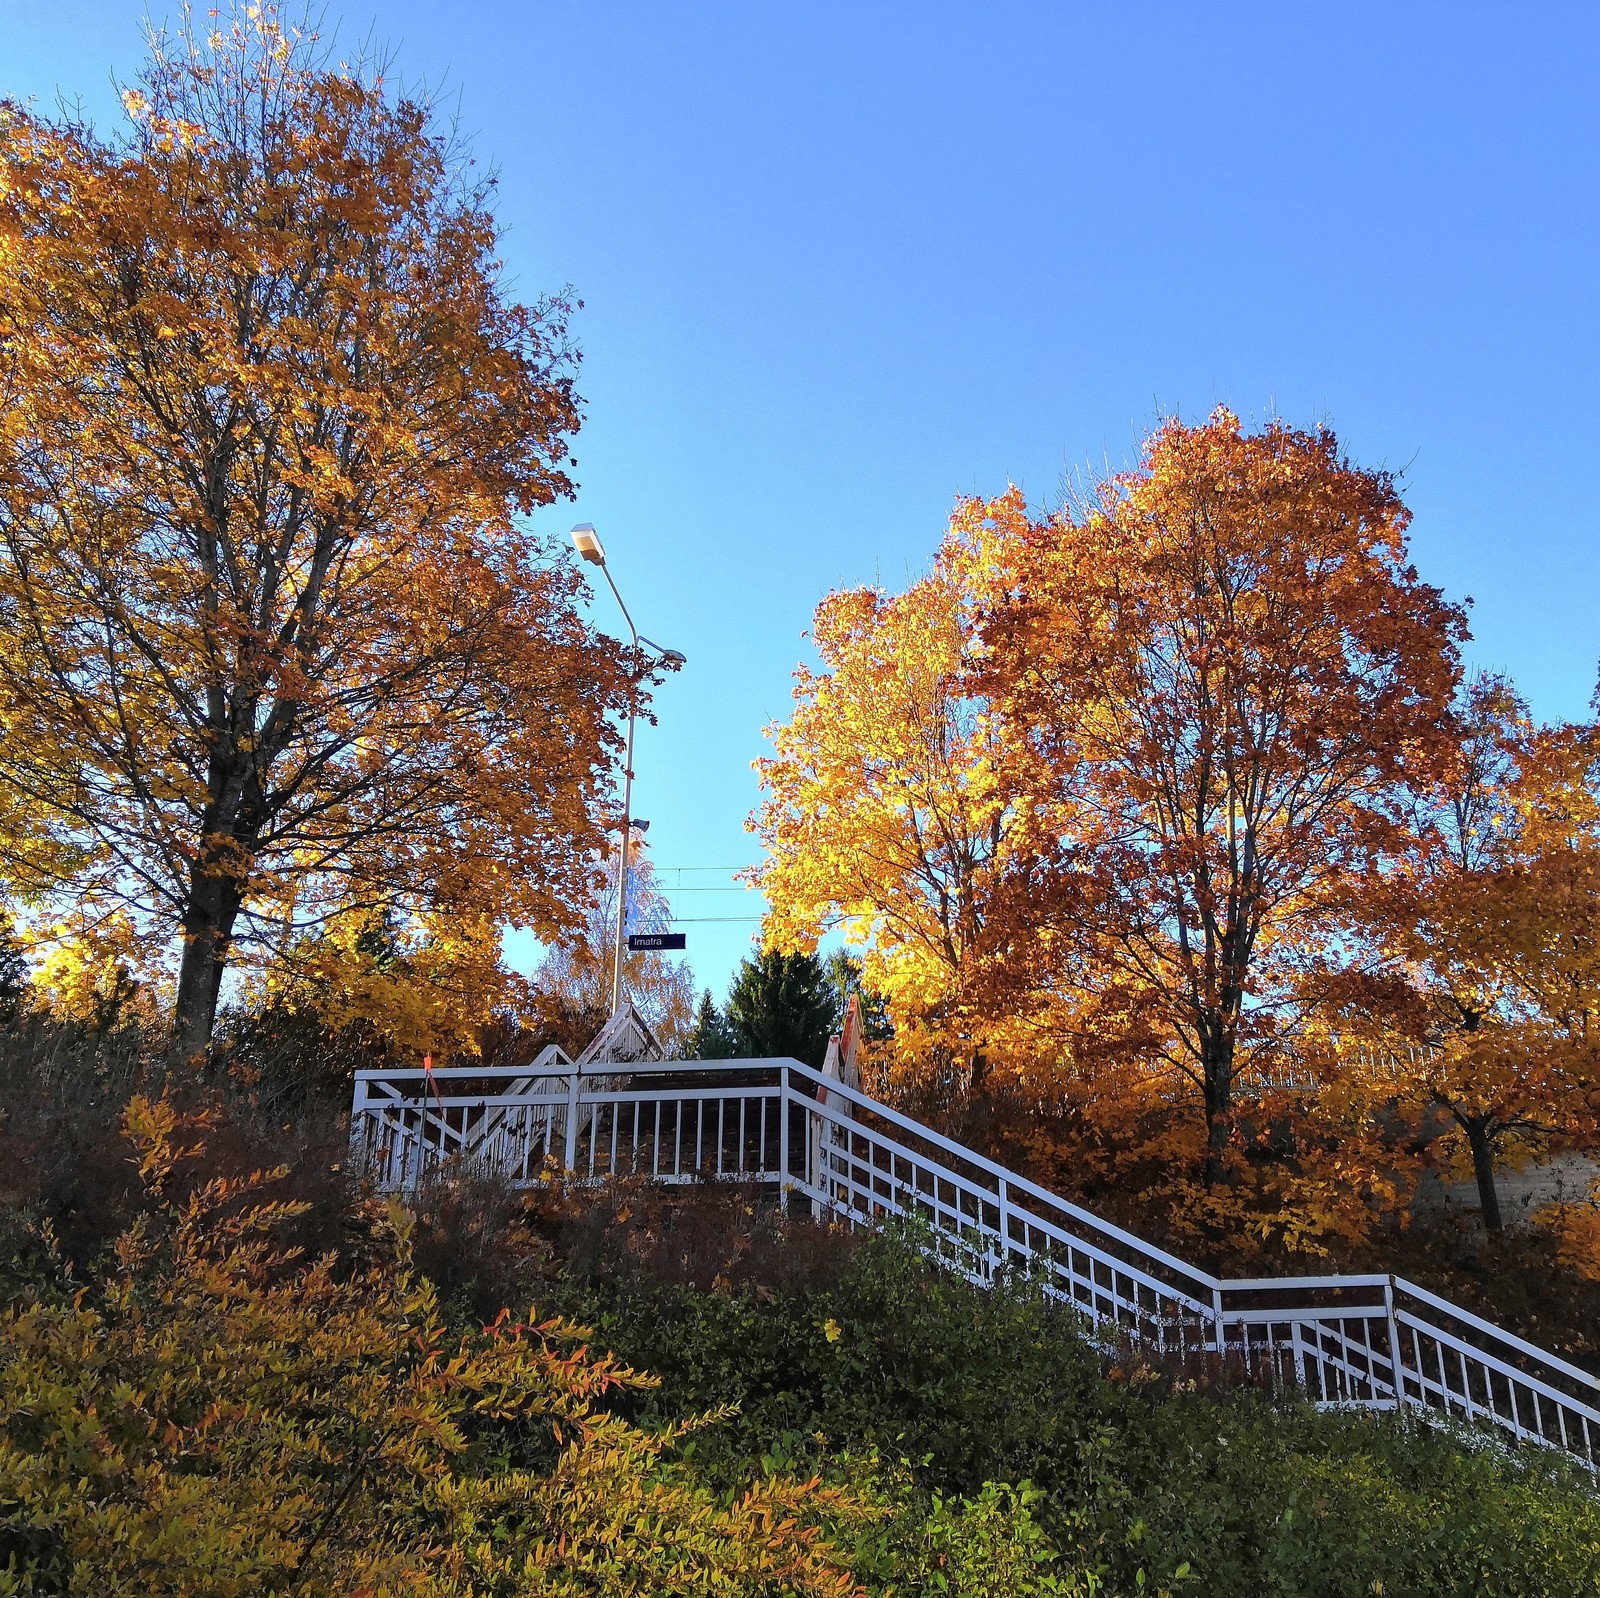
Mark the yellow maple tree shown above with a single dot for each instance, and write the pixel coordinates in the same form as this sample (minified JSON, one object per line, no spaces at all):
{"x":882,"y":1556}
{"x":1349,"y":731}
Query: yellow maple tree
{"x":1100,"y":797}
{"x":274,"y":644}
{"x":884,"y":810}
{"x":423,"y":985}
{"x":94,"y":972}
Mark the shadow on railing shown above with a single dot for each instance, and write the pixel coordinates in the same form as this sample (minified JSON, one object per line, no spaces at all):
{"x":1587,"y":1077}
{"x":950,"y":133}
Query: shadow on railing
{"x":1376,"y":1342}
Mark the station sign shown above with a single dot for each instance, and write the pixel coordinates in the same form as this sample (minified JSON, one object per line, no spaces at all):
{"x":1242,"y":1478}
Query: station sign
{"x":641,"y":942}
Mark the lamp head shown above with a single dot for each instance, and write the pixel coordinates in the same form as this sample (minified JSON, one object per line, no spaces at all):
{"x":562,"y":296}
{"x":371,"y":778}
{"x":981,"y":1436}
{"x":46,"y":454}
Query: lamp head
{"x":587,"y":543}
{"x":672,"y":659}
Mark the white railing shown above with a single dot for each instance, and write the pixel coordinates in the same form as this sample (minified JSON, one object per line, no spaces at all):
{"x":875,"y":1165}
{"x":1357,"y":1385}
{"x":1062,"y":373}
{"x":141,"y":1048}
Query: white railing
{"x":1373,"y":1341}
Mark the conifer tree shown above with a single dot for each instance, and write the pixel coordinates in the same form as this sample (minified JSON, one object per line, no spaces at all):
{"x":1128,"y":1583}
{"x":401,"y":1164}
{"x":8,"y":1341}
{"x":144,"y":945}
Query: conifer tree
{"x":783,"y":1006}
{"x":14,"y":976}
{"x":712,"y":1037}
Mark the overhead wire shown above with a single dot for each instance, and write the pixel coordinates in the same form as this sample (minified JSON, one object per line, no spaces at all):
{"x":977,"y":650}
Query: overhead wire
{"x":737,"y":887}
{"x":749,"y":866}
{"x":667,"y":889}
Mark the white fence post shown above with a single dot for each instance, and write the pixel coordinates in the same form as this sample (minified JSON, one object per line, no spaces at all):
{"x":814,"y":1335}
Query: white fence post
{"x":358,"y":1127}
{"x":571,"y":1157}
{"x":1396,"y":1369}
{"x":783,"y":1139}
{"x":814,"y":1159}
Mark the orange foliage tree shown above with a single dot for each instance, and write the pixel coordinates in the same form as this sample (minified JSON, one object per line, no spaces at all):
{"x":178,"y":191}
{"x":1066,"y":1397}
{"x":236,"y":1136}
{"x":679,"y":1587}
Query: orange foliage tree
{"x":885,"y":810}
{"x":273,"y":641}
{"x":1110,"y":785}
{"x":417,"y":985}
{"x":1497,"y":939}
{"x":1219,"y":678}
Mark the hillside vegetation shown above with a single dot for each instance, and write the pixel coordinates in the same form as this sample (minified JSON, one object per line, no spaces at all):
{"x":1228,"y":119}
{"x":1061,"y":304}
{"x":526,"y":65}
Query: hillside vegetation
{"x":236,"y":1383}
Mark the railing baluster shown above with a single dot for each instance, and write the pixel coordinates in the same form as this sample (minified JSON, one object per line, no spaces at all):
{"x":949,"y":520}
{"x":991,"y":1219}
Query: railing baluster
{"x":784,"y":1118}
{"x":865,"y":1162}
{"x":571,"y":1159}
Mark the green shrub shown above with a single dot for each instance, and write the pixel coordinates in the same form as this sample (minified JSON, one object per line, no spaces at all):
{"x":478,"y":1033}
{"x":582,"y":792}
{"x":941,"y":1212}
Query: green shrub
{"x":1138,"y":1479}
{"x":987,"y":1546}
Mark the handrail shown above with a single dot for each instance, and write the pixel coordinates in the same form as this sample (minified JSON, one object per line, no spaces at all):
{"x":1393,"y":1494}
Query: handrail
{"x":815,"y":1134}
{"x":1484,"y":1354}
{"x":917,"y":1129}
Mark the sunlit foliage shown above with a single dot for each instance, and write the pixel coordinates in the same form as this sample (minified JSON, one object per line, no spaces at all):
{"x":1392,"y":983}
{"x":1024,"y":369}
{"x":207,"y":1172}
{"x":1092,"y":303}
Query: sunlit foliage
{"x":273,"y":644}
{"x":214,"y":1417}
{"x":1496,"y":938}
{"x":1152,"y":809}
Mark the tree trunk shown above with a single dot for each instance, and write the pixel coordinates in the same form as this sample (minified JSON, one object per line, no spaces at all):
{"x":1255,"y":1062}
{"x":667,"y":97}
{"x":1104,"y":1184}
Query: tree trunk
{"x":1478,"y":1140}
{"x":978,"y":1073}
{"x":1216,"y":1064}
{"x":214,"y":903}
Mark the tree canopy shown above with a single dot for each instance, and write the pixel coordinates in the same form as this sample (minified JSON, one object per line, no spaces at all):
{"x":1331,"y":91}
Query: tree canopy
{"x":276,"y":644}
{"x":1220,"y":678}
{"x":1491,"y":997}
{"x":886,"y":809}
{"x":1168,"y":806}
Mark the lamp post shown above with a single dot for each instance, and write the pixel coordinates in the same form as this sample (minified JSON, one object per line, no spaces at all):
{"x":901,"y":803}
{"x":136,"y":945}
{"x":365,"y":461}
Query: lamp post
{"x":587,"y":543}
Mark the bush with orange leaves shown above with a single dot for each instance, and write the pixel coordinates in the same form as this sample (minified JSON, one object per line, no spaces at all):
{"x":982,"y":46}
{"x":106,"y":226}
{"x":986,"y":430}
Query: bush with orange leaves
{"x":213,"y":1416}
{"x":1576,"y":1230}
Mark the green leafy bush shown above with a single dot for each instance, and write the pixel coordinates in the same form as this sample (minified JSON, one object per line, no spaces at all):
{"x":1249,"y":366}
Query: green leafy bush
{"x":1142,"y":1483}
{"x":987,"y":1546}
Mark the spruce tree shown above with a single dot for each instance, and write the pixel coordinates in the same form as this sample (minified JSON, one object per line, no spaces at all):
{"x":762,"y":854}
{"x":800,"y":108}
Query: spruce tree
{"x":15,"y":983}
{"x":844,"y":977}
{"x":712,"y":1037}
{"x":783,"y":1006}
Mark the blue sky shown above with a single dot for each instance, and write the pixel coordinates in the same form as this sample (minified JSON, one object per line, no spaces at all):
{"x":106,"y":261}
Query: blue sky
{"x":842,"y":262}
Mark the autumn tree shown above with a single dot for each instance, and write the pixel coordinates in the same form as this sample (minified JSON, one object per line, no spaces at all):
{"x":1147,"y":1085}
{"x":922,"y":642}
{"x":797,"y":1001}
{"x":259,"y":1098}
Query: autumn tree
{"x":273,"y":643}
{"x":1218,"y":677}
{"x":574,"y":977}
{"x":411,"y":984}
{"x":1496,"y":938}
{"x":86,"y":975}
{"x":883,"y":812}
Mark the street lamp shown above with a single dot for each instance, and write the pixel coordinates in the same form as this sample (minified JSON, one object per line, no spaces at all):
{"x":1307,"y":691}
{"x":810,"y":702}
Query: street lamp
{"x":587,"y":543}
